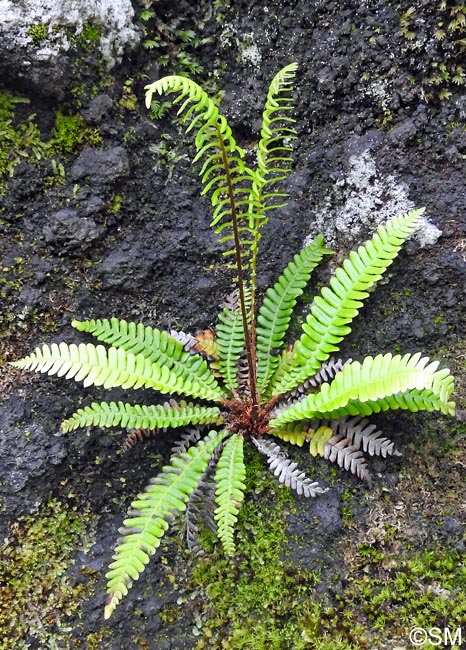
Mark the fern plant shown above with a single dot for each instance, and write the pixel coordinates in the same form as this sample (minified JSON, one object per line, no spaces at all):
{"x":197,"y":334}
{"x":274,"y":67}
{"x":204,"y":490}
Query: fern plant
{"x":254,"y":388}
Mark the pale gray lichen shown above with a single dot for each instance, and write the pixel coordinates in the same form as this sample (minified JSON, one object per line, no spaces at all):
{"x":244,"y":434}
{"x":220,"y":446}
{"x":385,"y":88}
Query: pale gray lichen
{"x":114,"y":18}
{"x":363,"y":200}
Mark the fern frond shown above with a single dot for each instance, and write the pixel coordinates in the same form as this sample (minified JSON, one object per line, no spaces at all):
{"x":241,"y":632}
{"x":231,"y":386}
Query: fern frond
{"x":151,"y":512}
{"x":231,"y":342}
{"x":113,"y":414}
{"x":189,"y":437}
{"x":136,"y":435}
{"x":413,"y":400}
{"x":340,"y":450}
{"x":374,"y":380}
{"x":337,"y":305}
{"x":296,"y":433}
{"x":285,"y":470}
{"x":277,"y":307}
{"x":273,"y":160}
{"x":326,"y":373}
{"x":230,"y":479}
{"x":223,"y":173}
{"x":96,"y":365}
{"x":154,"y":345}
{"x":273,"y":156}
{"x":363,"y":435}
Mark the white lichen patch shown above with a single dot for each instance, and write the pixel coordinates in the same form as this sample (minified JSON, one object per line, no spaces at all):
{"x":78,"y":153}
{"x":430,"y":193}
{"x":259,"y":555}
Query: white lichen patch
{"x":113,"y":17}
{"x":249,"y":51}
{"x":363,"y":200}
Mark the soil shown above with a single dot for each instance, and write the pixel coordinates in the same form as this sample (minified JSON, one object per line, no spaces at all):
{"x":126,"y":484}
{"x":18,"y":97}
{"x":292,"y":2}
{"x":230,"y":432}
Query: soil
{"x":127,"y":234}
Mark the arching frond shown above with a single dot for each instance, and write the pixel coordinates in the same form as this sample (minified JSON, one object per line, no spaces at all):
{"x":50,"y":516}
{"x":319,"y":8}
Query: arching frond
{"x":129,"y":416}
{"x":371,"y":382}
{"x":96,"y":365}
{"x":337,"y":305}
{"x":223,"y":173}
{"x":230,"y":479}
{"x":150,"y":513}
{"x":277,"y":307}
{"x":285,"y":470}
{"x":154,"y":345}
{"x":273,"y":159}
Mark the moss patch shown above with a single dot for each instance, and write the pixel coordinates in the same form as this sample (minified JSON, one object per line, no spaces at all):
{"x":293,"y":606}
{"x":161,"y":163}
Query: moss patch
{"x":37,"y":597}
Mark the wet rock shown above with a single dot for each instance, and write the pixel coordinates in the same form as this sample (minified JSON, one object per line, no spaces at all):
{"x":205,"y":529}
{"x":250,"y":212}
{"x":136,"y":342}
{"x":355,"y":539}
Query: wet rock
{"x":101,"y":167}
{"x":68,"y":230}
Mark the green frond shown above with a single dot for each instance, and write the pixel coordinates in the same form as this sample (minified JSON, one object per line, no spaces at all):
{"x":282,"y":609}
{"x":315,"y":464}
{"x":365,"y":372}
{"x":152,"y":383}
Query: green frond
{"x":223,"y":173}
{"x":296,"y":433}
{"x":96,"y":365}
{"x":129,"y":416}
{"x":277,"y":307}
{"x":273,"y":160}
{"x":154,"y":345}
{"x":151,"y":512}
{"x":230,"y":479}
{"x":231,"y":341}
{"x":413,"y":400}
{"x":372,"y":381}
{"x":337,"y":305}
{"x":319,"y":439}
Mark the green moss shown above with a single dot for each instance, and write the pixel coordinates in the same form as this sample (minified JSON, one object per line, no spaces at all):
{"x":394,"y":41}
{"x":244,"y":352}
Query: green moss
{"x":71,"y":132}
{"x":38,"y":33}
{"x":37,"y":597}
{"x":20,"y":141}
{"x":257,"y":600}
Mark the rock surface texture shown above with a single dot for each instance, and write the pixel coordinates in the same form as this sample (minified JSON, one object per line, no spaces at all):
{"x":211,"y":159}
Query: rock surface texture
{"x":39,"y":38}
{"x":100,"y":216}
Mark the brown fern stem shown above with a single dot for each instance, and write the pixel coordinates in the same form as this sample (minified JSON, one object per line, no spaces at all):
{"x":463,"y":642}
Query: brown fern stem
{"x":250,"y":347}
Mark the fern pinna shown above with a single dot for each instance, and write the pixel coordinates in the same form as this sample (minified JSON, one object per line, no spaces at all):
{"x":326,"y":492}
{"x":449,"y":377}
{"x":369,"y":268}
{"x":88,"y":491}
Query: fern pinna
{"x":255,"y":388}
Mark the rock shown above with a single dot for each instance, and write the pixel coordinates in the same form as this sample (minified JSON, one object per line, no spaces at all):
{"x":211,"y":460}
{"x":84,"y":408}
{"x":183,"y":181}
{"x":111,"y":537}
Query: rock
{"x":101,"y":166}
{"x":27,"y":453}
{"x":98,"y":109}
{"x":39,"y":38}
{"x":67,"y":230}
{"x":402,"y":134}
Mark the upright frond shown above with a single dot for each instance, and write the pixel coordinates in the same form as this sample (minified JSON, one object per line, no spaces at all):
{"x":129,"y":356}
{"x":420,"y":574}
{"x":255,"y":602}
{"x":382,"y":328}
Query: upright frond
{"x":277,"y":307}
{"x":231,"y":341}
{"x":273,"y":156}
{"x":224,"y":176}
{"x":150,"y":514}
{"x":337,"y":305}
{"x":230,"y":479}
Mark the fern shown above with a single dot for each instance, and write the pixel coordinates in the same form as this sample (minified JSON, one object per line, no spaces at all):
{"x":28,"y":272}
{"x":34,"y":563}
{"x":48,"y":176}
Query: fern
{"x":337,"y":305}
{"x":259,"y":386}
{"x":229,"y":479}
{"x":277,"y":307}
{"x":112,"y":414}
